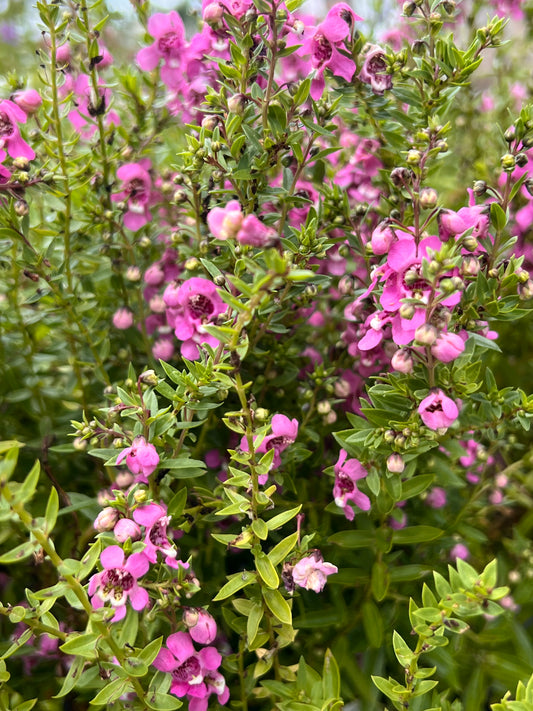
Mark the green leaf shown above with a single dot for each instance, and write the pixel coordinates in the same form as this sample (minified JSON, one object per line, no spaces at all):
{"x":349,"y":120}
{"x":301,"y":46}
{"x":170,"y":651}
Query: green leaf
{"x":380,"y":580}
{"x":150,"y":652}
{"x":177,"y":503}
{"x":266,"y":570}
{"x":134,"y":666}
{"x":372,"y":623}
{"x":403,"y":652}
{"x":386,"y":687}
{"x":236,"y":582}
{"x":282,"y":549}
{"x":25,"y":550}
{"x":110,"y":692}
{"x":282,"y":518}
{"x":354,"y":539}
{"x":260,"y":529}
{"x":52,"y":507}
{"x":82,"y":645}
{"x":331,"y":681}
{"x":252,"y":624}
{"x":74,"y":673}
{"x":278,"y":606}
{"x":416,"y":485}
{"x":162,"y":702}
{"x":9,"y":462}
{"x":498,"y":216}
{"x":27,"y":489}
{"x":416,"y":534}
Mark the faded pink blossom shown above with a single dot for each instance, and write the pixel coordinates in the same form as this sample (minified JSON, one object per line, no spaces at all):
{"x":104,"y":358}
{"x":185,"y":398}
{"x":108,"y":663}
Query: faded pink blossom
{"x":436,"y":498}
{"x":312,"y":572}
{"x":374,"y":70}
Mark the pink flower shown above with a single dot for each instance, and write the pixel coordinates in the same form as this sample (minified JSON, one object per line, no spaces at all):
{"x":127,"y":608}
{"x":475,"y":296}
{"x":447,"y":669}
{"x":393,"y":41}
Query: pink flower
{"x":10,"y":116}
{"x":29,"y":100}
{"x":118,"y":582}
{"x":225,"y":222}
{"x":201,"y":625}
{"x":141,"y":458}
{"x":436,"y":498}
{"x":169,"y":45}
{"x":324,"y":47}
{"x":122,"y":319}
{"x":194,"y":674}
{"x":311,"y":572}
{"x":447,"y":347}
{"x":155,"y":520}
{"x":459,"y":551}
{"x":136,"y":191}
{"x":194,"y":303}
{"x":347,"y":472}
{"x":284,"y":433}
{"x":255,"y":233}
{"x":374,"y":71}
{"x":382,"y":238}
{"x":437,"y":410}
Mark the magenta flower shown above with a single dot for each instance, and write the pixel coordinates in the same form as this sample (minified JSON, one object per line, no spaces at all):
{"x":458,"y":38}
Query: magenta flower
{"x":10,"y":116}
{"x":374,"y":71}
{"x":255,"y":233}
{"x":324,"y":45}
{"x":347,"y":472}
{"x":122,"y":319}
{"x":312,"y":572}
{"x":118,"y":582}
{"x":155,"y":520}
{"x":29,"y":100}
{"x":437,"y":410}
{"x":284,"y":433}
{"x":201,"y":625}
{"x":447,"y":347}
{"x":141,"y":459}
{"x":193,"y":304}
{"x":194,"y":674}
{"x":169,"y":46}
{"x":126,"y":528}
{"x":136,"y":191}
{"x":225,"y":222}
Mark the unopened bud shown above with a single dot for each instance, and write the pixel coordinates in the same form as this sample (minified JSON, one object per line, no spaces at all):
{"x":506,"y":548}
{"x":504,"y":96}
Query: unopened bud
{"x":402,"y":361}
{"x":470,"y":266}
{"x":140,"y":496}
{"x":106,"y":519}
{"x":426,"y":334}
{"x":209,"y":122}
{"x":323,"y":407}
{"x":480,"y":187}
{"x":470,"y":243}
{"x":408,"y":8}
{"x":21,"y":163}
{"x":428,"y":198}
{"x":508,"y":162}
{"x":191,"y":264}
{"x":509,"y":134}
{"x":521,"y":160}
{"x":413,"y":157}
{"x":236,"y":103}
{"x":21,"y":208}
{"x":407,"y":311}
{"x":395,"y":463}
{"x":401,"y":176}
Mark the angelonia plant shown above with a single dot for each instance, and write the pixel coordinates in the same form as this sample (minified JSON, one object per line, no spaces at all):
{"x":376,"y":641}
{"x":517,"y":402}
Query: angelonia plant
{"x":265,"y":338}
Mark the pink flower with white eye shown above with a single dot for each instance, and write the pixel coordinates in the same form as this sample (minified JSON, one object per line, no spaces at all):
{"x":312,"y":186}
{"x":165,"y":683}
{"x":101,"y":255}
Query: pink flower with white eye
{"x":155,"y":521}
{"x":312,"y":572}
{"x":225,"y":222}
{"x":196,"y":303}
{"x":284,"y":433}
{"x":117,"y":583}
{"x":169,"y":46}
{"x":347,"y":472}
{"x":437,"y":410}
{"x":324,"y":45}
{"x":10,"y":116}
{"x":194,"y":674}
{"x":136,"y":192}
{"x":201,"y":625}
{"x":447,"y":347}
{"x":141,"y":459}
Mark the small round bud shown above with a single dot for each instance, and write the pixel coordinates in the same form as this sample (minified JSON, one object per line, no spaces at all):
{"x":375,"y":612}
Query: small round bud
{"x":426,"y":334}
{"x":323,"y":407}
{"x":402,"y":361}
{"x":395,"y":463}
{"x":470,"y":266}
{"x":179,"y":196}
{"x":389,"y":436}
{"x":449,"y":7}
{"x":508,"y":162}
{"x":509,"y":134}
{"x":106,"y":519}
{"x":21,"y":163}
{"x":133,"y":273}
{"x":220,"y":280}
{"x":521,"y":160}
{"x":191,"y":264}
{"x":237,"y":103}
{"x":261,"y":414}
{"x":413,"y":157}
{"x":442,"y":145}
{"x":140,"y":496}
{"x":408,"y":8}
{"x":401,"y":177}
{"x":407,"y":311}
{"x":480,"y":187}
{"x":210,"y":122}
{"x":428,"y":198}
{"x":470,"y":243}
{"x":21,"y":208}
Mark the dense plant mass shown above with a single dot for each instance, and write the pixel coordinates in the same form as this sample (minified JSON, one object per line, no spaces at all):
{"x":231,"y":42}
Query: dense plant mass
{"x":265,"y":336}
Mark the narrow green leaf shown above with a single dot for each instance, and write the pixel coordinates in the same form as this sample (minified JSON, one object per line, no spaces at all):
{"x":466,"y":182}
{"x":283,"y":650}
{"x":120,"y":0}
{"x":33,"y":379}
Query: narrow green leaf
{"x":82,"y":645}
{"x":110,"y":692}
{"x":282,"y":518}
{"x":282,"y":549}
{"x":52,"y":508}
{"x":236,"y":582}
{"x":331,"y":681}
{"x":416,"y":534}
{"x":278,"y":606}
{"x":266,"y":570}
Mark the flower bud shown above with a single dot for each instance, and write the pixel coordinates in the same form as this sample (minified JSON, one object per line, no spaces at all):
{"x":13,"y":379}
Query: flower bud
{"x":323,"y":407}
{"x":426,"y":334}
{"x":413,"y":157}
{"x":106,"y":519}
{"x":470,"y":243}
{"x":470,"y":266}
{"x":140,"y":496}
{"x":508,"y":162}
{"x":521,"y":160}
{"x":407,"y":311}
{"x":428,"y":198}
{"x":400,"y":176}
{"x":480,"y":187}
{"x":395,"y":463}
{"x":210,"y":122}
{"x":402,"y":361}
{"x":125,"y":528}
{"x":408,"y":8}
{"x":237,"y":103}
